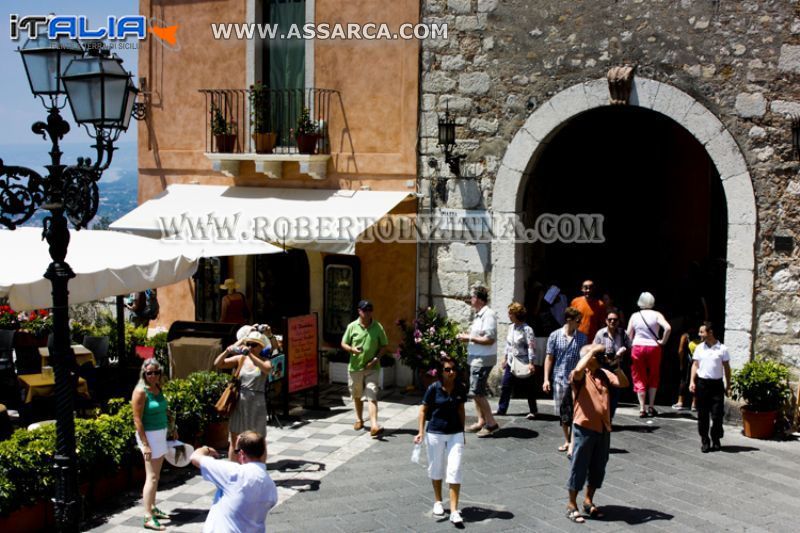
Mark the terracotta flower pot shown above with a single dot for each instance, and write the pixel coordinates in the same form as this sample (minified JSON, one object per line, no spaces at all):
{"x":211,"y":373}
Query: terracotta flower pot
{"x":307,"y":143}
{"x":758,"y":424}
{"x":225,"y":142}
{"x":265,"y":142}
{"x":29,"y":518}
{"x":217,"y":435}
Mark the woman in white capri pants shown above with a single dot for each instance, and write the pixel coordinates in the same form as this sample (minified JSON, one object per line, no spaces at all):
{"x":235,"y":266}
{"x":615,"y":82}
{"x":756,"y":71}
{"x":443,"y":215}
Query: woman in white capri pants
{"x":443,"y":407}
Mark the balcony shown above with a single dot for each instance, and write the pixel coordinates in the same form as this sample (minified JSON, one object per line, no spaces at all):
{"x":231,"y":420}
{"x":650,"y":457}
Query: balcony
{"x":270,"y":127}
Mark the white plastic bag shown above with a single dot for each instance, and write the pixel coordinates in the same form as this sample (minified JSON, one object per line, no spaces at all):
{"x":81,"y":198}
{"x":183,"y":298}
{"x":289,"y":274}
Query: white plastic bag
{"x":416,"y":454}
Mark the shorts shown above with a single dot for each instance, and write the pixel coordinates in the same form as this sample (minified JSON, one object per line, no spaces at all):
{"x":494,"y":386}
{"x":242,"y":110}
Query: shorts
{"x":562,"y":401}
{"x":478,"y":376}
{"x":157,"y":439}
{"x":363,"y":384}
{"x":444,"y":455}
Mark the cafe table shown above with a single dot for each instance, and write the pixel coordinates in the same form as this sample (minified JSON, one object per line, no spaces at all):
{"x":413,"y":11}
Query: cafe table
{"x":43,"y":385}
{"x":82,"y":355}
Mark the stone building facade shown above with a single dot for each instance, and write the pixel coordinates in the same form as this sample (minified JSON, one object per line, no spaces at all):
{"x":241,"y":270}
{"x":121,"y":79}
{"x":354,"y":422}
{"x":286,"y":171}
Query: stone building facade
{"x":516,"y":74}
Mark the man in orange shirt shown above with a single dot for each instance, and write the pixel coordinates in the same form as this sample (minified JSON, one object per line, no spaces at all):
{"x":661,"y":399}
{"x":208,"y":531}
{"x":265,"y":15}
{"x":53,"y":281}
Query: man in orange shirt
{"x":593,"y":310}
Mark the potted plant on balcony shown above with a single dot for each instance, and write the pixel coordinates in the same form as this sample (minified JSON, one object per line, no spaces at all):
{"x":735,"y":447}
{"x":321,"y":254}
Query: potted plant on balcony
{"x":306,"y":134}
{"x":263,"y":136}
{"x":224,"y":132}
{"x":764,"y":386}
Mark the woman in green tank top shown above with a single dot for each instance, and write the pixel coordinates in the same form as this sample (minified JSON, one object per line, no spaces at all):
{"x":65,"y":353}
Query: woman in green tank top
{"x":150,"y":419}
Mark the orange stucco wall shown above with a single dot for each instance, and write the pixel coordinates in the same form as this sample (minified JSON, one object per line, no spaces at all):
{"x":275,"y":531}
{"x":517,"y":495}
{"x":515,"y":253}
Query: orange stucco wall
{"x":372,"y":127}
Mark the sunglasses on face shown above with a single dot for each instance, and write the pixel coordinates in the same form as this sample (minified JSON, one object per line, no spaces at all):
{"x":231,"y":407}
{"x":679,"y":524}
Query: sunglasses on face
{"x":252,"y":345}
{"x":612,"y":320}
{"x":153,"y":373}
{"x":448,"y":369}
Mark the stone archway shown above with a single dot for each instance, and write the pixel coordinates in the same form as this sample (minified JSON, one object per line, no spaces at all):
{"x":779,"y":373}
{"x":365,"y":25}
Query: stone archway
{"x":527,"y":145}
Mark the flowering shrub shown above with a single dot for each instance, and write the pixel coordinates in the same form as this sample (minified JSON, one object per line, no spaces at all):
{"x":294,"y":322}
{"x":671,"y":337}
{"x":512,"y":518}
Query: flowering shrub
{"x":429,"y":338}
{"x":39,"y":323}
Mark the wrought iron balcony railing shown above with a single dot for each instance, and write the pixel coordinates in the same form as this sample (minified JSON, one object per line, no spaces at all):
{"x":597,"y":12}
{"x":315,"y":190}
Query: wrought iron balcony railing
{"x":261,"y":120}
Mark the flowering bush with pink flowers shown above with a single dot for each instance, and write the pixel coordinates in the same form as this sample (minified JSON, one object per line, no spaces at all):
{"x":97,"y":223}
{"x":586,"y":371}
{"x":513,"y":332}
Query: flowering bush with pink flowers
{"x":429,"y":338}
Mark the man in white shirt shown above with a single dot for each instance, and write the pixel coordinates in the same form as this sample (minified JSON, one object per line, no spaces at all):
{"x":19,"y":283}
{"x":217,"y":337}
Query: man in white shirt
{"x":246,"y":492}
{"x":481,"y":357}
{"x":710,"y":361}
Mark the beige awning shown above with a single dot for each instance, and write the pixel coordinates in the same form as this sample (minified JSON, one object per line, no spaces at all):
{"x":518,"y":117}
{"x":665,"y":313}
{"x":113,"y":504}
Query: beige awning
{"x":220,"y":218}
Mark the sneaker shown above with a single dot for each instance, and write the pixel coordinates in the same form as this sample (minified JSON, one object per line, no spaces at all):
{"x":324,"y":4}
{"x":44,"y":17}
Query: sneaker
{"x":438,"y":510}
{"x":531,"y":416}
{"x":679,"y":407}
{"x":486,"y":431}
{"x":455,"y":517}
{"x":499,"y":413}
{"x":694,"y":408}
{"x":359,"y":425}
{"x":474,"y":428}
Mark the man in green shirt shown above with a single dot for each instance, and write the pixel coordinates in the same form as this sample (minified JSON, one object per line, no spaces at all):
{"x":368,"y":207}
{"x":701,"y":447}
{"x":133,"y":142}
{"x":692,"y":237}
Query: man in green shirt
{"x":365,"y":339}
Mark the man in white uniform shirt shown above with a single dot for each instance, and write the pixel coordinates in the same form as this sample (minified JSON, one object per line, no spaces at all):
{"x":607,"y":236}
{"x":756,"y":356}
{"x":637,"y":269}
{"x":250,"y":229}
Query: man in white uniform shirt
{"x":481,"y":357}
{"x":710,"y":361}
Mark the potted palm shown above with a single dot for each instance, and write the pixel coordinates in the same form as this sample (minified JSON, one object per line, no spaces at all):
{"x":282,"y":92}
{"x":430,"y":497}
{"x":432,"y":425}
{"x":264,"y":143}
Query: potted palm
{"x":224,"y":132}
{"x":306,"y":134}
{"x":263,"y":136}
{"x":764,"y":386}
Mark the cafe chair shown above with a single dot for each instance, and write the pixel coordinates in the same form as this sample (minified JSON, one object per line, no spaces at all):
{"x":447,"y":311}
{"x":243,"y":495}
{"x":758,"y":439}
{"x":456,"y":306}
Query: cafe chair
{"x":99,"y":348}
{"x":8,"y":377}
{"x":29,"y":361}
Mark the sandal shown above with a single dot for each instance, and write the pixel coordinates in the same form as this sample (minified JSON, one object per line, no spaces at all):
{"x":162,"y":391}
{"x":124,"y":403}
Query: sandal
{"x":642,"y":414}
{"x":158,"y":513}
{"x":575,"y":516}
{"x":563,"y":447}
{"x":592,"y":511}
{"x":474,"y":428}
{"x":151,"y":522}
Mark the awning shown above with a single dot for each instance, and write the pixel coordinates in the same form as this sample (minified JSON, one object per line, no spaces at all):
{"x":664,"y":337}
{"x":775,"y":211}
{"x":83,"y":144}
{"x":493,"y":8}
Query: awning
{"x":317,"y":219}
{"x":106,"y":263}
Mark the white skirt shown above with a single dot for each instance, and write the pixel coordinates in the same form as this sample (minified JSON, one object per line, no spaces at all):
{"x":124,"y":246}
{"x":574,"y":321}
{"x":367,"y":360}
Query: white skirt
{"x":157,"y":439}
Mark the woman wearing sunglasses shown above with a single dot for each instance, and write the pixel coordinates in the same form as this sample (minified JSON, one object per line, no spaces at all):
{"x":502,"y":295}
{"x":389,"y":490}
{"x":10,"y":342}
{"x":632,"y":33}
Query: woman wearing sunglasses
{"x":443,"y":407}
{"x":250,"y":412}
{"x":150,"y":419}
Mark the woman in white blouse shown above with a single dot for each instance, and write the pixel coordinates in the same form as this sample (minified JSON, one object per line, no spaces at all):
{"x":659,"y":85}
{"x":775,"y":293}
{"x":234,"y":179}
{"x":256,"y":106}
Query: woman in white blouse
{"x":519,"y":353}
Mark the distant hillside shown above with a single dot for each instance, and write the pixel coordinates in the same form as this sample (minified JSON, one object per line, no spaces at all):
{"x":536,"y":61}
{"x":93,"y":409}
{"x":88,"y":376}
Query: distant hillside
{"x":118,"y":186}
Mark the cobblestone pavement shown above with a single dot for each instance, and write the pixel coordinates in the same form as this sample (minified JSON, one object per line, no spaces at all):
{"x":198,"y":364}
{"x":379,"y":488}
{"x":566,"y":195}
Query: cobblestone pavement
{"x":331,"y":478}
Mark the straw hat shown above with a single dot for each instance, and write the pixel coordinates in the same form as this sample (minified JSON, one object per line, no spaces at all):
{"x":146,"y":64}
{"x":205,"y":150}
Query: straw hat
{"x":230,"y":283}
{"x":255,"y":336}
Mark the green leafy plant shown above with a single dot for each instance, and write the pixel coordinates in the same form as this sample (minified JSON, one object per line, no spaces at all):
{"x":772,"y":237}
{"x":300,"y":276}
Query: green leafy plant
{"x":427,"y":339}
{"x":305,"y":126}
{"x":38,"y":323}
{"x":208,"y":387}
{"x":219,"y":124}
{"x":259,"y":96}
{"x":763,"y":384}
{"x":184,"y":405}
{"x":159,"y":342}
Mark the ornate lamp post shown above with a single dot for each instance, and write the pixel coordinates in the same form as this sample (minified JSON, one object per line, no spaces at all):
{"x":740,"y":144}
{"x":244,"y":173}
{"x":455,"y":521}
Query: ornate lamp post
{"x":101,"y":96}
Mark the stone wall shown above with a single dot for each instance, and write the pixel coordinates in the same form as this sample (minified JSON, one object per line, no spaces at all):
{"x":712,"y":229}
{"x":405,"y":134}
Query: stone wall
{"x":504,"y":60}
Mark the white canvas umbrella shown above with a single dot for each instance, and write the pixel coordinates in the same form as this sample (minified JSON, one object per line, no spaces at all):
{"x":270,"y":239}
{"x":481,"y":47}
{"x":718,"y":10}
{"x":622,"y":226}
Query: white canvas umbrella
{"x":106,"y":263}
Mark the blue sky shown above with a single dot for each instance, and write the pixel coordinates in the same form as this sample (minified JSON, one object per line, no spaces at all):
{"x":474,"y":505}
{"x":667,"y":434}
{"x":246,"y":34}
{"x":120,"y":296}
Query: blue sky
{"x":18,"y":108}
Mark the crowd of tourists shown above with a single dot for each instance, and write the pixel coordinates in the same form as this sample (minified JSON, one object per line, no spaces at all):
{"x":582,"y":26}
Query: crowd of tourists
{"x":583,"y":369}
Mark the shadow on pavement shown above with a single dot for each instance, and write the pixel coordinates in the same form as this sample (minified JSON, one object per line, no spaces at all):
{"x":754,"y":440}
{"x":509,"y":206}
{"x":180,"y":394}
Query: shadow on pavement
{"x":738,"y":449}
{"x":678,"y":414}
{"x":295,"y":465}
{"x":636,"y":428}
{"x":617,"y":450}
{"x":479,"y":514}
{"x":515,"y":433}
{"x":630,"y":515}
{"x":179,"y":516}
{"x":299,"y":484}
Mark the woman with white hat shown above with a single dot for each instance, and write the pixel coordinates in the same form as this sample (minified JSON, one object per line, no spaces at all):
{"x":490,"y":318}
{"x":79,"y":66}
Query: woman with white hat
{"x":250,"y":412}
{"x":234,"y":304}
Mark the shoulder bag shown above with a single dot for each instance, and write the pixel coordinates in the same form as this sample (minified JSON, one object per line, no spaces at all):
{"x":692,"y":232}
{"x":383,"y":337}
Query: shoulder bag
{"x":230,"y":396}
{"x":519,"y":369}
{"x":649,"y":328}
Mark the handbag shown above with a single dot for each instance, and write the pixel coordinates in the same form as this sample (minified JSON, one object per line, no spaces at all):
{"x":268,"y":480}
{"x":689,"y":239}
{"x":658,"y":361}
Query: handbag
{"x":230,"y":396}
{"x":519,"y":369}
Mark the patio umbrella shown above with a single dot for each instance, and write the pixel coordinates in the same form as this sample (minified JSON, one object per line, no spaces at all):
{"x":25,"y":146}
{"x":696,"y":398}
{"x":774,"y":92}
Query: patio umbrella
{"x":106,"y":263}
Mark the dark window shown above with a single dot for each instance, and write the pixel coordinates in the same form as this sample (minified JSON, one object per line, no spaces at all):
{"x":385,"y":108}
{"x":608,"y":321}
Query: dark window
{"x":210,"y":274}
{"x":280,"y":287}
{"x":342,"y":289}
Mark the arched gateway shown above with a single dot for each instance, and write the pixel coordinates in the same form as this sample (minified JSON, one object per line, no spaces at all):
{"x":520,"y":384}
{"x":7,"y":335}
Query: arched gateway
{"x":530,"y":141}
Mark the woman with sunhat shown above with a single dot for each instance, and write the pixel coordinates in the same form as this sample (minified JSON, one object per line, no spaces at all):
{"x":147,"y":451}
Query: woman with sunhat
{"x":250,"y":412}
{"x":234,"y":304}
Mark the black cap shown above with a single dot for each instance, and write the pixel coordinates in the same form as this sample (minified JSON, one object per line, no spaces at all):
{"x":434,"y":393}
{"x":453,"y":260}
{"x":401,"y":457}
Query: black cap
{"x":365,"y":305}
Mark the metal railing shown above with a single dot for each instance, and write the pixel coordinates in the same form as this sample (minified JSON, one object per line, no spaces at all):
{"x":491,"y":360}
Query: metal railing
{"x":233,"y":116}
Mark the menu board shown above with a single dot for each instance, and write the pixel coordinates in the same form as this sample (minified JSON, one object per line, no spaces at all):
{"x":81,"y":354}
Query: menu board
{"x":302,"y":353}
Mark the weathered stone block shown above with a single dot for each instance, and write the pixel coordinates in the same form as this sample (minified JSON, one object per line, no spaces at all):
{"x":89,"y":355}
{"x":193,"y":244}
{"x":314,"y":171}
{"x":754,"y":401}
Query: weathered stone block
{"x":786,"y":280}
{"x":459,"y":104}
{"x":437,"y":82}
{"x":487,"y":6}
{"x":738,"y":294}
{"x":739,"y":344}
{"x":783,"y":107}
{"x":773,"y":322}
{"x":448,"y":62}
{"x":474,"y":83}
{"x":741,"y":246}
{"x":484,"y":126}
{"x":459,"y":7}
{"x":789,"y":59}
{"x":740,"y":199}
{"x":750,"y":105}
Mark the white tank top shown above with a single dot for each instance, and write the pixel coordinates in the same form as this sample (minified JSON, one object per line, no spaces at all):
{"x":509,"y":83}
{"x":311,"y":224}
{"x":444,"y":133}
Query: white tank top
{"x":642,"y":323}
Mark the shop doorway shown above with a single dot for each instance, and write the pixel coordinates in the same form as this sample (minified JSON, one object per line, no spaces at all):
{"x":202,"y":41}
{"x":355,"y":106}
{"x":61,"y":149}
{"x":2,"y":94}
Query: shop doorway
{"x":664,"y":220}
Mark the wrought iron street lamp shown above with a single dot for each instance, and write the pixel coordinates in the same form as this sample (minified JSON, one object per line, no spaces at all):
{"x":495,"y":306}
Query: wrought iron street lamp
{"x":101,"y":96}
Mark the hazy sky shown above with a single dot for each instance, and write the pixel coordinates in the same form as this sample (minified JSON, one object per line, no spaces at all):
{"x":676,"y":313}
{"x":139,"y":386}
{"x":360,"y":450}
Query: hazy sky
{"x":18,"y":108}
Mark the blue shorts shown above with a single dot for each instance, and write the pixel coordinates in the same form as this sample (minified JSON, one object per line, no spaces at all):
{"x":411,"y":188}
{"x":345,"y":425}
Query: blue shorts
{"x":478,"y":376}
{"x":589,"y":457}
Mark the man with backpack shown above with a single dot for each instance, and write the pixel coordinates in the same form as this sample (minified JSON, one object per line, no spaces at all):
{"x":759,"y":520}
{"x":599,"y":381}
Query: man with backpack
{"x":144,"y":307}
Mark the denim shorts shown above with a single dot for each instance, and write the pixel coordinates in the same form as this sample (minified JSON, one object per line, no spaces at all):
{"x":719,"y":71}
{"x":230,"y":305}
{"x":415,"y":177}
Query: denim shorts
{"x":478,"y":376}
